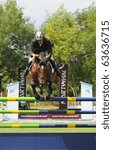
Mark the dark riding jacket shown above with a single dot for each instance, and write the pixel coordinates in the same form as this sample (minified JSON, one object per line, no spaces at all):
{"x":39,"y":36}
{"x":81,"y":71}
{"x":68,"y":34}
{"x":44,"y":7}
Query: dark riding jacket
{"x":46,"y":46}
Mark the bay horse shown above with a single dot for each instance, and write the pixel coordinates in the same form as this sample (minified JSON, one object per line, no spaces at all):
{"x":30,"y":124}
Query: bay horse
{"x":41,"y":76}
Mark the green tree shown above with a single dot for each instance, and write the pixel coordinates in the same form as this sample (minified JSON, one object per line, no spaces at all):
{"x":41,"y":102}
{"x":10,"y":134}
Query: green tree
{"x":16,"y":33}
{"x":85,"y":64}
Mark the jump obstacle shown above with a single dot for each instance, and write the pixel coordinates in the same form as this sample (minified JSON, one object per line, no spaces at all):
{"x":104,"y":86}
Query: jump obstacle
{"x":71,"y":112}
{"x":32,"y":99}
{"x":34,"y":125}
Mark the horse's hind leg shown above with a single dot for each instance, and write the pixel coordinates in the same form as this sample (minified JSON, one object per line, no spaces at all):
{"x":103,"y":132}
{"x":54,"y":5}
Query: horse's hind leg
{"x":36,"y":95}
{"x":49,"y":89}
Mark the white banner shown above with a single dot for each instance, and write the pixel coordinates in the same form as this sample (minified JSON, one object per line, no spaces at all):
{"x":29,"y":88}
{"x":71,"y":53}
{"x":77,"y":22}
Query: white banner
{"x":86,"y":91}
{"x":13,"y":91}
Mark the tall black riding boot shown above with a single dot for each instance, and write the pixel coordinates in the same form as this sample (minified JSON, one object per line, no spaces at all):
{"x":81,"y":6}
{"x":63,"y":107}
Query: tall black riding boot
{"x":26,"y":72}
{"x":55,"y":68}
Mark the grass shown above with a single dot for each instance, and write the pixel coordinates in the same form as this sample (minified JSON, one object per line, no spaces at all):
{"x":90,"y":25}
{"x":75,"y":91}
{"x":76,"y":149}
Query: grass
{"x":48,"y":130}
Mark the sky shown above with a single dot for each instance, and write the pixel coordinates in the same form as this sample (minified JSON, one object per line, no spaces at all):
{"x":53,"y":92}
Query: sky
{"x":36,"y":9}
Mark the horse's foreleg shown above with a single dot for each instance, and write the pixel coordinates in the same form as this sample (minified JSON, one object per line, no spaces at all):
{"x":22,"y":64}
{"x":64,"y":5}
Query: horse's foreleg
{"x":49,"y":89}
{"x":36,"y":95}
{"x":41,"y":90}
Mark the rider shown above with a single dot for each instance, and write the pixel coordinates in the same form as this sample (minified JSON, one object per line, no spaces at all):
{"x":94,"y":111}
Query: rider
{"x":42,"y":44}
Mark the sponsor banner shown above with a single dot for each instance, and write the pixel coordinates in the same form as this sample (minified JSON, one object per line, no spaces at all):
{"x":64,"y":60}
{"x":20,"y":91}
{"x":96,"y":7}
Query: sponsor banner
{"x":22,"y":83}
{"x":41,"y":116}
{"x":52,"y":116}
{"x":22,"y":87}
{"x":63,"y":85}
{"x":75,"y":116}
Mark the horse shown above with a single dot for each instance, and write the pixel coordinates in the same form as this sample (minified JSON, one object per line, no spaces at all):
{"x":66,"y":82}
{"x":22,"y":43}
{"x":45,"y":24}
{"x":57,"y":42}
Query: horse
{"x":41,"y":76}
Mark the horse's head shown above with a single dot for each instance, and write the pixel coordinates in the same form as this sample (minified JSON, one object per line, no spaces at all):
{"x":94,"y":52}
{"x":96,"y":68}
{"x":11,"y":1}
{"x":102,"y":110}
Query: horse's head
{"x":43,"y":68}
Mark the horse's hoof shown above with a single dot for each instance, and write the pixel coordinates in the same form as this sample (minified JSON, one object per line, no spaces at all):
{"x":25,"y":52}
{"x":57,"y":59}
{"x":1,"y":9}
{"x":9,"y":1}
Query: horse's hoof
{"x":37,"y":97}
{"x":47,"y":97}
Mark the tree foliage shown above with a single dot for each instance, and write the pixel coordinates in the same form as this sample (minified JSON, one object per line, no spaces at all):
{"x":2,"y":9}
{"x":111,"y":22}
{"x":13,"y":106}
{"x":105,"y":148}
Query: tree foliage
{"x":15,"y":35}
